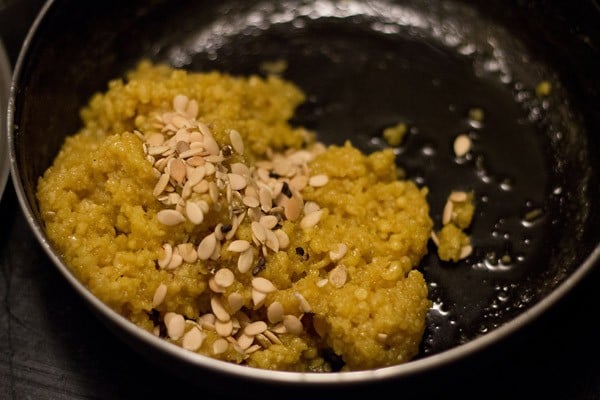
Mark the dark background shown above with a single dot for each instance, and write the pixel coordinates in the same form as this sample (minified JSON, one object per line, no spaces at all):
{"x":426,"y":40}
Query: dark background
{"x":53,"y":347}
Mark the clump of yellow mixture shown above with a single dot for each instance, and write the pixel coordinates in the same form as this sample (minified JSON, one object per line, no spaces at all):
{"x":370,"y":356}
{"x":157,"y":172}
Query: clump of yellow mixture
{"x":452,"y":241}
{"x":188,"y":204}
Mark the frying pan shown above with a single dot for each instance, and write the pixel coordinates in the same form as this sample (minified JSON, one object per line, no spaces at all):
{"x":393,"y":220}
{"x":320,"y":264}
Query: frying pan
{"x":366,"y":65}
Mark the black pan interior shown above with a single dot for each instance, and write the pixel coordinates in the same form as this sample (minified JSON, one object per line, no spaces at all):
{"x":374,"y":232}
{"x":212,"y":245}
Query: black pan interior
{"x":366,"y":65}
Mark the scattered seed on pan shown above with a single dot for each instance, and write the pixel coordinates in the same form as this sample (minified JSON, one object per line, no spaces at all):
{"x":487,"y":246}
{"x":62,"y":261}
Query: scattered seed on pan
{"x":293,"y":324}
{"x":236,"y":182}
{"x":272,"y":337}
{"x":304,"y":305}
{"x":170,"y":217}
{"x":236,"y":141}
{"x":255,"y":328}
{"x":310,"y":220}
{"x":259,"y":231}
{"x":292,"y":208}
{"x":218,"y":309}
{"x":318,"y":180}
{"x":268,"y":221}
{"x":263,"y":285}
{"x":434,"y":238}
{"x":311,"y":206}
{"x":462,"y":145}
{"x":245,"y":341}
{"x":251,"y":201}
{"x":322,"y":282}
{"x":271,"y":240}
{"x":465,"y":251}
{"x":279,"y":328}
{"x":239,"y":246}
{"x":175,"y":324}
{"x":235,"y":301}
{"x":458,"y":197}
{"x":339,"y":252}
{"x":167,"y":254}
{"x":193,"y":339}
{"x":253,"y":348}
{"x":207,"y":246}
{"x":224,"y":277}
{"x":262,"y":340}
{"x":160,"y":186}
{"x":220,"y":346}
{"x":214,"y":286}
{"x":194,"y":213}
{"x":207,"y":321}
{"x":338,"y":276}
{"x":275,"y":312}
{"x":245,"y":261}
{"x":266,"y":199}
{"x":258,"y":298}
{"x":176,"y":261}
{"x":223,"y":328}
{"x":159,"y":295}
{"x":188,"y":252}
{"x":447,"y":213}
{"x":282,"y":238}
{"x":177,"y":170}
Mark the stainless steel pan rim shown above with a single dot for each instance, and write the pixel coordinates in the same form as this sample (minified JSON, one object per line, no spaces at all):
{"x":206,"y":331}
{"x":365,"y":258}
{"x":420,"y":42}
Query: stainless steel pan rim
{"x":130,"y":331}
{"x":5,"y":79}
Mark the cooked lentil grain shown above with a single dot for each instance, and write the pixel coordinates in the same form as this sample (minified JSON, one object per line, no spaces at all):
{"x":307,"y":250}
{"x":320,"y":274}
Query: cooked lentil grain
{"x":166,"y":176}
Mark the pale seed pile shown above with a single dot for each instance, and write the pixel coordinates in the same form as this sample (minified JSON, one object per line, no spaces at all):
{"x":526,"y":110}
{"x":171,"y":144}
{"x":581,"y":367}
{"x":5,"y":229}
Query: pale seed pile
{"x":195,"y":178}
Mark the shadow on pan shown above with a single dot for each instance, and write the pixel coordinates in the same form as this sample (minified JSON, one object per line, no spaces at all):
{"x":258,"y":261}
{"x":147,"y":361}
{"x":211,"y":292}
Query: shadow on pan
{"x":366,"y":65}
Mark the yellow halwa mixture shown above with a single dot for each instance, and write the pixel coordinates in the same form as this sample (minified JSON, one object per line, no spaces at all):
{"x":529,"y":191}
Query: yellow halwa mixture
{"x":188,"y":204}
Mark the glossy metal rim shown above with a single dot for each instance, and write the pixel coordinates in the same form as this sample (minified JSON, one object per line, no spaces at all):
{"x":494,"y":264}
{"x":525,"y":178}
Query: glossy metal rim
{"x":259,"y":375}
{"x":5,"y":78}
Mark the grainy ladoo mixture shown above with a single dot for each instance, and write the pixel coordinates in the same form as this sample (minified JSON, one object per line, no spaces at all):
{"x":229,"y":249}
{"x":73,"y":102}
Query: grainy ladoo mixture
{"x":189,"y":204}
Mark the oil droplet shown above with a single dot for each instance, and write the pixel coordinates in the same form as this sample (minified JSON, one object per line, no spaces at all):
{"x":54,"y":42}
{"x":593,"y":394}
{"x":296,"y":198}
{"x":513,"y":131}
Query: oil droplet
{"x":506,"y":185}
{"x":475,"y":117}
{"x":439,"y":308}
{"x":428,"y":150}
{"x":467,"y":49}
{"x":531,"y":217}
{"x":492,"y":262}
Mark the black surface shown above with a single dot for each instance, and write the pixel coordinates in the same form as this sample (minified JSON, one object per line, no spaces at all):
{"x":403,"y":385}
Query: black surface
{"x":53,"y":347}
